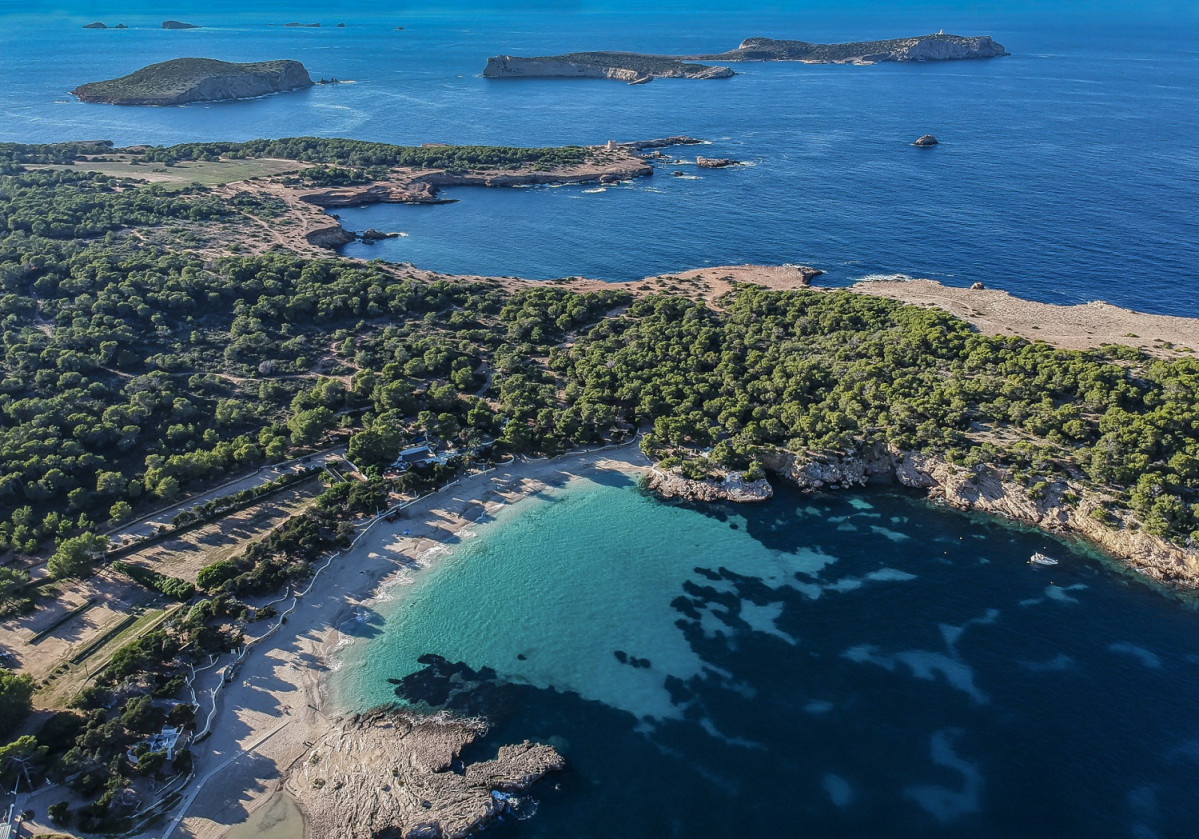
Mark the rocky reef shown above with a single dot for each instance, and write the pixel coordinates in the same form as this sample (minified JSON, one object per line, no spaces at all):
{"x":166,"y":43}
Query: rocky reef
{"x":716,"y":162}
{"x":623,"y":66}
{"x":396,"y":774}
{"x":184,"y":80}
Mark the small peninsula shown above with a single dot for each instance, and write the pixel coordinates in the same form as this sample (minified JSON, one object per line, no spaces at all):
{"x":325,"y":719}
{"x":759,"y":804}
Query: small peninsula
{"x":636,"y":68}
{"x":184,"y":80}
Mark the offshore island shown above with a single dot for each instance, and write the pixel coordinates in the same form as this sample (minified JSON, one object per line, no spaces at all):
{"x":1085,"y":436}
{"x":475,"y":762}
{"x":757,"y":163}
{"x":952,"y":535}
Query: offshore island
{"x":638,"y":68}
{"x":183,"y":80}
{"x":181,"y":320}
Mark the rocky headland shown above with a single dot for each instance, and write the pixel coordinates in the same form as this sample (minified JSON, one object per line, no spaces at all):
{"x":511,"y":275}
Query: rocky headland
{"x":395,"y":774}
{"x":672,"y":483}
{"x":636,"y":68}
{"x":184,"y":80}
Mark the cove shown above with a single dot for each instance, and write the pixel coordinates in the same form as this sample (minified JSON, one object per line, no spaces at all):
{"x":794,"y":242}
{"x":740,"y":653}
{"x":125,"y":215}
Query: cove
{"x":858,"y":663}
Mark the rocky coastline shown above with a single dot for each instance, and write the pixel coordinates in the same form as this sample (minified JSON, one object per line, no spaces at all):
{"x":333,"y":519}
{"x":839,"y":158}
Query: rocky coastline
{"x":390,"y":773}
{"x":184,"y":80}
{"x":1062,"y":508}
{"x":611,"y":163}
{"x":993,"y":490}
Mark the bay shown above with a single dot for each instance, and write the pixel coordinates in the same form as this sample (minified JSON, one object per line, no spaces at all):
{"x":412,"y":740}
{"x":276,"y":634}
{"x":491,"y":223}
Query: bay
{"x":856,"y":664}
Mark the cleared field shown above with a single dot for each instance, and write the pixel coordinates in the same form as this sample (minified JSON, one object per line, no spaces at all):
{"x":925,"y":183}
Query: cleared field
{"x":80,"y":612}
{"x":184,"y":556}
{"x":73,"y":673}
{"x":82,"y":623}
{"x":208,"y":173}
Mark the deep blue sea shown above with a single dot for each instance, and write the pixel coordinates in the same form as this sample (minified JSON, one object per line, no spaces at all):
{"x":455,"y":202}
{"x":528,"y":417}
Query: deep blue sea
{"x":853,"y":665}
{"x":1068,"y":171}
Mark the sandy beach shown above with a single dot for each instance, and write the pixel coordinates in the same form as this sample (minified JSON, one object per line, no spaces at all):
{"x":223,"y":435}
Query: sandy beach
{"x":278,"y":705}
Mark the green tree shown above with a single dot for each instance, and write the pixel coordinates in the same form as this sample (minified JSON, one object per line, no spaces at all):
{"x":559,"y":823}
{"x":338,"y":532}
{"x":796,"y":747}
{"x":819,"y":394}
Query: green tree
{"x":16,"y":694}
{"x":74,"y":556}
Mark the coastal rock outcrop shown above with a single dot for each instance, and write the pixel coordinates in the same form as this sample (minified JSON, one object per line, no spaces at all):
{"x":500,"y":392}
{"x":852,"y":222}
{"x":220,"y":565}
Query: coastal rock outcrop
{"x":329,"y":237}
{"x":716,"y":162}
{"x":96,"y":25}
{"x":372,"y":235}
{"x":178,"y":24}
{"x":994,"y":490}
{"x":392,"y":774}
{"x":183,"y":80}
{"x":673,"y":484}
{"x":623,"y":66}
{"x":925,"y":141}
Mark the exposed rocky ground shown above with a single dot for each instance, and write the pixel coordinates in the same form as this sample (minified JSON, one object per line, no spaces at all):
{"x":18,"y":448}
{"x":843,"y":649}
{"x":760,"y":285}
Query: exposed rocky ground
{"x":399,"y":775}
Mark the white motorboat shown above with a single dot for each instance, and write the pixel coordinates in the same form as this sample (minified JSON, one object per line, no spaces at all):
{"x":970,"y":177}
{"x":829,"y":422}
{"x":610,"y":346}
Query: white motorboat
{"x":1041,"y":559}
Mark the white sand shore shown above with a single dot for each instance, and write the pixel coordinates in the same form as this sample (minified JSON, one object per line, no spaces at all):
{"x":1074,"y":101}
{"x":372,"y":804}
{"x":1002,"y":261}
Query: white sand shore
{"x":278,"y":704}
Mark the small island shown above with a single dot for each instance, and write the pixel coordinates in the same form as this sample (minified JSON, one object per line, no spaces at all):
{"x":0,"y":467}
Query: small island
{"x":625,"y":66}
{"x":637,"y":68}
{"x":178,"y":24}
{"x":939,"y":47}
{"x":184,"y":80}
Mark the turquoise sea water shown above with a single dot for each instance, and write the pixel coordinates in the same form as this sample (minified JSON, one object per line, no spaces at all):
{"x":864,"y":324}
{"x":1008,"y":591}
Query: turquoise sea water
{"x":858,"y":664}
{"x":1068,"y":171}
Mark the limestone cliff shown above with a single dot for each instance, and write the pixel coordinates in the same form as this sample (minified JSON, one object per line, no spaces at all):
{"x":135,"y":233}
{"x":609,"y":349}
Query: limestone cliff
{"x":991,"y":489}
{"x":183,"y":80}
